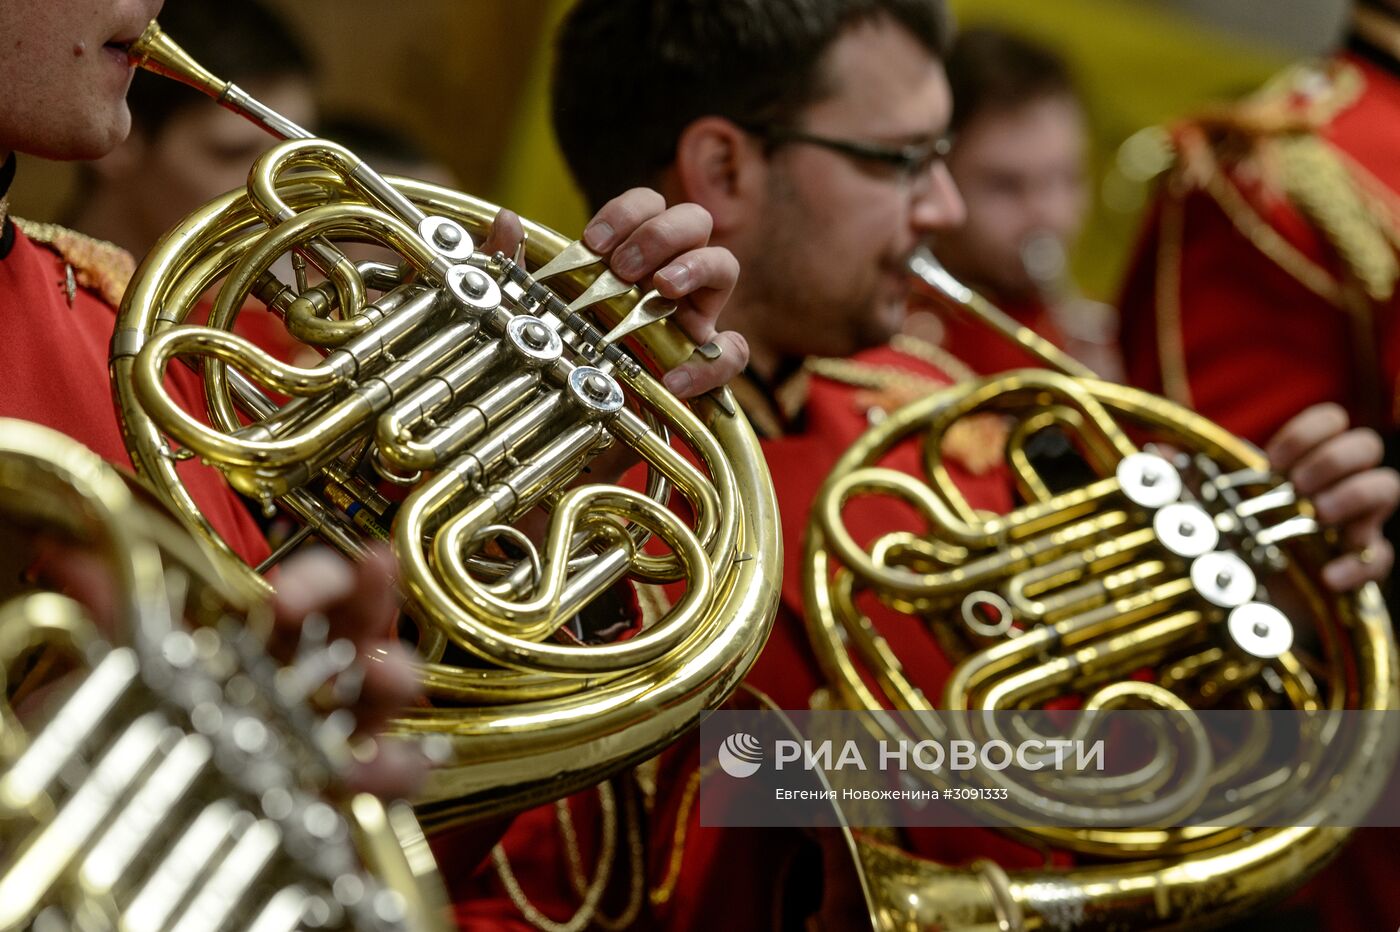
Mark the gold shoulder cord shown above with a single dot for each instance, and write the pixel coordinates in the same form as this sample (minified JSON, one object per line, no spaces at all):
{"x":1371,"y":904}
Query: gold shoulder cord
{"x":872,"y":376}
{"x":934,"y":355}
{"x":588,"y":911}
{"x":1171,"y":351}
{"x":1267,"y":117}
{"x":661,"y":894}
{"x":98,"y":265}
{"x":884,"y":376}
{"x":636,"y":857}
{"x":590,"y":891}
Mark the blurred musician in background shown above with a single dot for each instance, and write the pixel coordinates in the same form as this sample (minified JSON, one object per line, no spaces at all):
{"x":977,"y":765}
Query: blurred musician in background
{"x":1266,"y":277}
{"x":814,"y":134}
{"x":1266,"y":280}
{"x":389,"y":149}
{"x":1018,"y":159}
{"x":183,"y":153}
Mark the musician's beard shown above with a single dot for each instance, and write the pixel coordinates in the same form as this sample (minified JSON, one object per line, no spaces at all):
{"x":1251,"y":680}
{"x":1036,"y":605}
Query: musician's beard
{"x":803,"y":292}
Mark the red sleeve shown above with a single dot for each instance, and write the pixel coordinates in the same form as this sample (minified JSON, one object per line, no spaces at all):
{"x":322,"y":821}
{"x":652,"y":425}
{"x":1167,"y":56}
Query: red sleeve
{"x":1256,"y":346}
{"x":53,"y":371}
{"x":1247,"y":343}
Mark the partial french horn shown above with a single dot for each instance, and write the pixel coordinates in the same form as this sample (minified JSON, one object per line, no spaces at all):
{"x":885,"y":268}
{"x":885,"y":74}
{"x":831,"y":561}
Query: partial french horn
{"x":173,"y":777}
{"x":1169,"y":557}
{"x":454,"y":394}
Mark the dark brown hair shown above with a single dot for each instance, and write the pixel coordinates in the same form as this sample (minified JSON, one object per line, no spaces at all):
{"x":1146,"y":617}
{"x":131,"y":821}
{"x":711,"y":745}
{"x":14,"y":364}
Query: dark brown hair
{"x":632,"y":74}
{"x":992,"y":70}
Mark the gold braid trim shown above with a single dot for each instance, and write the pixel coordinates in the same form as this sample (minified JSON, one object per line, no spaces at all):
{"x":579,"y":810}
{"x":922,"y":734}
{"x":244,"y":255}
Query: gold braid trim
{"x":99,"y":265}
{"x":934,"y":355}
{"x":1380,"y":199}
{"x":593,"y":894}
{"x":978,"y":442}
{"x":1316,"y":180}
{"x":636,"y":855}
{"x":1271,"y":243}
{"x":899,"y":383}
{"x":1301,"y":98}
{"x":1275,"y":136}
{"x":661,"y":894}
{"x":1171,"y":351}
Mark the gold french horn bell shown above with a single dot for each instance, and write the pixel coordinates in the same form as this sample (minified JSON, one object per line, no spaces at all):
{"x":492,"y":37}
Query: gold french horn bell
{"x":455,"y":394}
{"x":1175,"y":557}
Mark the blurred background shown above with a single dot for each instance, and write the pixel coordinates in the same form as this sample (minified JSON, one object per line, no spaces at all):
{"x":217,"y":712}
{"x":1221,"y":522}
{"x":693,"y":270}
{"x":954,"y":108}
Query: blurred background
{"x":466,"y":80}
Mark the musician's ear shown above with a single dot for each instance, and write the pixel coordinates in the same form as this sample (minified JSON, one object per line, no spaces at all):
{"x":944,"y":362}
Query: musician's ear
{"x":724,"y":169}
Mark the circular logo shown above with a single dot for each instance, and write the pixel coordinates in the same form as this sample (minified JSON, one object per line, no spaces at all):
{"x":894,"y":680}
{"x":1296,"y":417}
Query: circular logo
{"x":740,"y":755}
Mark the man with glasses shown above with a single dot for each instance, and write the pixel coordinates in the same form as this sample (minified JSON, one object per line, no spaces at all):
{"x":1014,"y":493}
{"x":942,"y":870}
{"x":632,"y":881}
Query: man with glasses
{"x":812,"y":131}
{"x":828,"y":192}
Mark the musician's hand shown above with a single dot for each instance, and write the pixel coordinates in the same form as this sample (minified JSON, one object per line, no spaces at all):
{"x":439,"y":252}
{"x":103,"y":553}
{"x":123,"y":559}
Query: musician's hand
{"x":361,"y":604}
{"x":666,"y":249}
{"x":1339,"y":469}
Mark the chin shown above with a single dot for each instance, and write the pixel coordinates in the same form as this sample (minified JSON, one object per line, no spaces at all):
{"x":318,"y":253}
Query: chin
{"x":98,"y":139}
{"x":90,"y":142}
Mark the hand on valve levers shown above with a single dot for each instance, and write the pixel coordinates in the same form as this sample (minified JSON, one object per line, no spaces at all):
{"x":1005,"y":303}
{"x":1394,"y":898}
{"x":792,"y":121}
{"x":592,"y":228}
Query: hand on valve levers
{"x":666,"y":248}
{"x":1338,"y":467}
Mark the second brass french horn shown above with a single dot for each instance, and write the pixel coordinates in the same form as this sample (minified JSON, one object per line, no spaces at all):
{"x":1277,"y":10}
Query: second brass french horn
{"x":157,"y":769}
{"x":1168,"y":560}
{"x":480,"y":388}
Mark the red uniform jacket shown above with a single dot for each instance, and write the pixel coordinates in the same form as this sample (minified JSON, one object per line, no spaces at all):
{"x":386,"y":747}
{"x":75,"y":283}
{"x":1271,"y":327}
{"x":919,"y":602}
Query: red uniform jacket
{"x":1266,"y":280}
{"x":1265,"y":283}
{"x":53,"y":362}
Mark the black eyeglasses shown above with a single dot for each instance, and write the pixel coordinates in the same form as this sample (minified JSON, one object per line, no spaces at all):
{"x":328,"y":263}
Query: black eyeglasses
{"x":910,"y":162}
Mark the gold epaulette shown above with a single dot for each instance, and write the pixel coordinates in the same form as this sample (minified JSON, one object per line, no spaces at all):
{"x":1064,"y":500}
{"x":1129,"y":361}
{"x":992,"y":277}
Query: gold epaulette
{"x":977,"y":442}
{"x":1301,"y":98}
{"x":97,"y":265}
{"x":1273,"y":144}
{"x":1323,"y":186}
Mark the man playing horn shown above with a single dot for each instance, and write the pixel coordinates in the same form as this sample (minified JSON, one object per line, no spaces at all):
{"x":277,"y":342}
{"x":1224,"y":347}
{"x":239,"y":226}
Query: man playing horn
{"x":1019,"y":160}
{"x":813,"y":131}
{"x":1271,"y":246}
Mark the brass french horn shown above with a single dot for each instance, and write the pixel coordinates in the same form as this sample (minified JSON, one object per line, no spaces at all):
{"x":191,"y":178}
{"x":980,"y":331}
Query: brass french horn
{"x":183,"y":782}
{"x":1171,"y":557}
{"x":455,"y":394}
